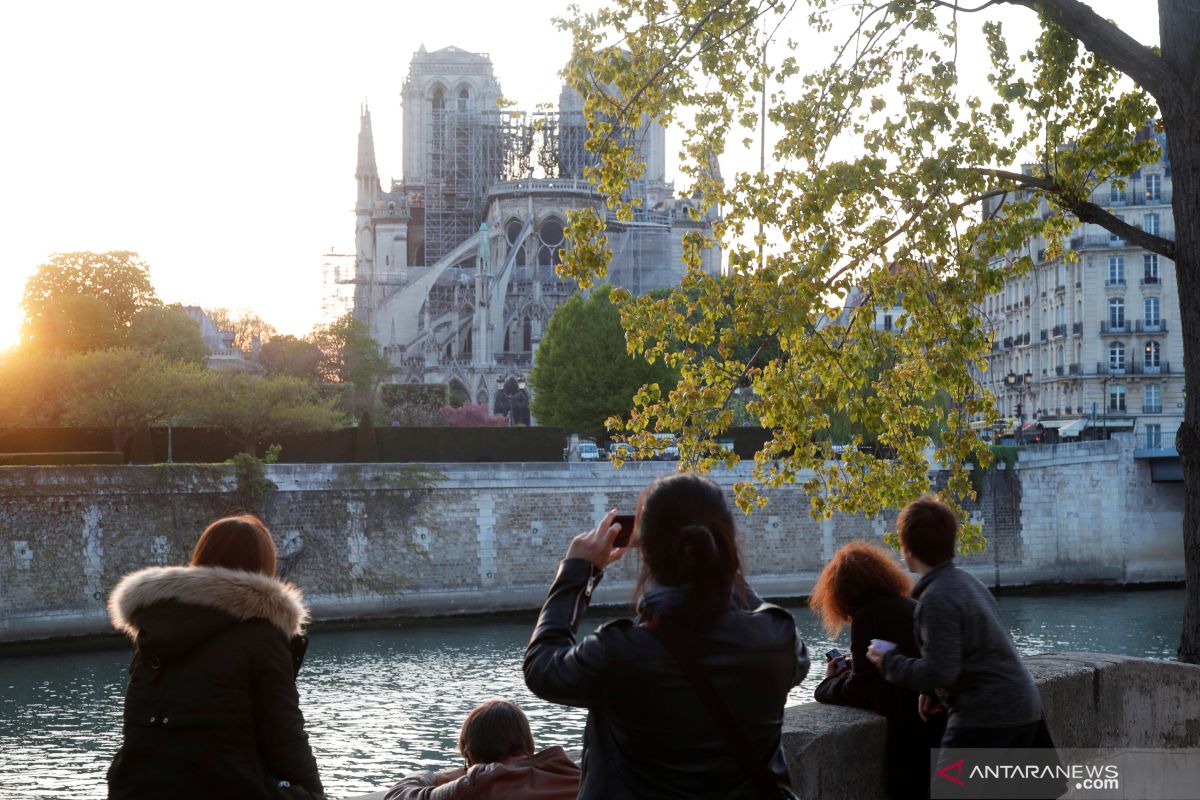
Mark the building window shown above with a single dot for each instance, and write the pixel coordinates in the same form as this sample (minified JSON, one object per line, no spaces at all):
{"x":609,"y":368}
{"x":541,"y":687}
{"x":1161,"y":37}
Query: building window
{"x":1116,"y":357}
{"x":1153,"y":320}
{"x":1152,"y":399}
{"x":887,"y":322}
{"x":1112,"y":237}
{"x":463,"y":96}
{"x":1154,"y":188}
{"x":1116,"y":270}
{"x":1153,"y":435}
{"x":1116,"y":313}
{"x":1116,"y":397}
{"x":1150,"y":223}
{"x":1152,"y":356}
{"x":1150,"y":267}
{"x":439,"y":100}
{"x":527,"y":335}
{"x":1116,"y":195}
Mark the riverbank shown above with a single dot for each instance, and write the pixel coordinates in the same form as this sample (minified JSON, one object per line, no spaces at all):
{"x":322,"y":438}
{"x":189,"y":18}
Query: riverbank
{"x":397,"y":541}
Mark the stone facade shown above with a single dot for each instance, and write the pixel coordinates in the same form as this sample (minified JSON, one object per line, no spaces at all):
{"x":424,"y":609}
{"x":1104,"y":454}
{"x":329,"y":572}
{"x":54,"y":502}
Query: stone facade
{"x":1098,"y":338}
{"x":396,"y":540}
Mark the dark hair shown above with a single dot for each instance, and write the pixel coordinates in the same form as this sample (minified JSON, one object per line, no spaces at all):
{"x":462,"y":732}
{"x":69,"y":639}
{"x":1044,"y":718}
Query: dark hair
{"x":857,"y":574}
{"x":241,"y":542}
{"x":493,"y":731}
{"x":928,"y":528}
{"x":687,"y":537}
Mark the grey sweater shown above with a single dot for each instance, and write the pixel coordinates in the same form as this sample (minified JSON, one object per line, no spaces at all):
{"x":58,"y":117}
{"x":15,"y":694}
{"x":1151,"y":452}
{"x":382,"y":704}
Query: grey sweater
{"x":967,"y":654}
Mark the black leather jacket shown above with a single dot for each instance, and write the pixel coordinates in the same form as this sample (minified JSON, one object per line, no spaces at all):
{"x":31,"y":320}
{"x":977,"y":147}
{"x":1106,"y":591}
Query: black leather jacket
{"x":648,"y":734}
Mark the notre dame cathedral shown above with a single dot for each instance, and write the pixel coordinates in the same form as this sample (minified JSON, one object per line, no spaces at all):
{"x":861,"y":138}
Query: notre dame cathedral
{"x":454,"y":267}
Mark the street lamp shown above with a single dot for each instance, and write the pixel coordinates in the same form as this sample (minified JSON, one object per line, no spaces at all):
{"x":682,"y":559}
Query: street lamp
{"x":1019,"y":384}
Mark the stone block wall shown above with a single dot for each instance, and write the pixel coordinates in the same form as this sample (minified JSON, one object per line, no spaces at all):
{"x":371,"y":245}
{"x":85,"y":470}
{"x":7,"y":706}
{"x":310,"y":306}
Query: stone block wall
{"x":391,"y":539}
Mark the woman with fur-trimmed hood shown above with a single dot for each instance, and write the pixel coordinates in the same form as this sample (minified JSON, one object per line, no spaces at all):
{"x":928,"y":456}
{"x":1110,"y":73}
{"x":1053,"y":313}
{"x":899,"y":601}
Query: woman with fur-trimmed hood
{"x":211,"y":709}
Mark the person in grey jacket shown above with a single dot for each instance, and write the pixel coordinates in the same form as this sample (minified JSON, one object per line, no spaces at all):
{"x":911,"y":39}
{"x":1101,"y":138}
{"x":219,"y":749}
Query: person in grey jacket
{"x":968,"y":660}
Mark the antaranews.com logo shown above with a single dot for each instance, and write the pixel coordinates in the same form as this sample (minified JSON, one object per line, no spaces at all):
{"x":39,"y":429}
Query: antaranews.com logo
{"x":1075,"y":773}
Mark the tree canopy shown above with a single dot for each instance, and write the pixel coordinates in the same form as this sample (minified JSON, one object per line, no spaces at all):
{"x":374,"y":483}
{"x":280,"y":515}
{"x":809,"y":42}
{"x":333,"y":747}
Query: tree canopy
{"x":170,"y":332}
{"x":125,"y":390}
{"x":251,"y":408}
{"x":352,"y":358}
{"x":878,"y":179}
{"x":288,"y":355}
{"x":119,"y":278}
{"x":582,"y":374}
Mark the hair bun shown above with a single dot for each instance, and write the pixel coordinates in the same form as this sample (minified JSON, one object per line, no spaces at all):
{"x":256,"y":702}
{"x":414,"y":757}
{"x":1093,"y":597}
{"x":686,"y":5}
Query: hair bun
{"x":696,"y":545}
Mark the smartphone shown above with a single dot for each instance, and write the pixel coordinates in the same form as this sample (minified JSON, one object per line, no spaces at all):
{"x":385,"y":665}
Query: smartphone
{"x":833,"y":654}
{"x":626,"y":532}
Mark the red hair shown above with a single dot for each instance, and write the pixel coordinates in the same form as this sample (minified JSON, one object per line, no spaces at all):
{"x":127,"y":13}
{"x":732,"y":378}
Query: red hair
{"x":241,"y":542}
{"x":857,"y":574}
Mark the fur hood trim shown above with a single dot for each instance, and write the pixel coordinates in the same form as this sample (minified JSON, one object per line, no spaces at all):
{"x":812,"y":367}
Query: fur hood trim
{"x":244,"y":595}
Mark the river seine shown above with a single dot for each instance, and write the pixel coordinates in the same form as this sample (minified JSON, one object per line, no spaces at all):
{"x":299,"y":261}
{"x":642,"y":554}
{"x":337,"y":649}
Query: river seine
{"x":386,"y":700}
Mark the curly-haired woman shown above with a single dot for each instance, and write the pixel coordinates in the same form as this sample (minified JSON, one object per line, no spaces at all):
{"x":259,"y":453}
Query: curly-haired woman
{"x":863,"y":585}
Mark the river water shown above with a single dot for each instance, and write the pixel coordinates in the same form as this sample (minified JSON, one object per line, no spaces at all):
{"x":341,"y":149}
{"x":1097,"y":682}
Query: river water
{"x":383,"y":701}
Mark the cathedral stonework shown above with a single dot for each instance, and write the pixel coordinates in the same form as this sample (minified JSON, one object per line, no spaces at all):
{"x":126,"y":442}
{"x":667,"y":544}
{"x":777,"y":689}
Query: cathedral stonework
{"x":454,"y":267}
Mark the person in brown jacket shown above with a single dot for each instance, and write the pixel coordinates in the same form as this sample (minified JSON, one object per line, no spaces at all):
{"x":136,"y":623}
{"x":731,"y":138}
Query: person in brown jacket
{"x":498,"y":746}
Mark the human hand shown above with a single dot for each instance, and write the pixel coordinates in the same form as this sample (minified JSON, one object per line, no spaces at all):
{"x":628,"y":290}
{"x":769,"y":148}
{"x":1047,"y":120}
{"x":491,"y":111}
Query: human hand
{"x":878,"y":649}
{"x":596,"y":545}
{"x":928,"y":706}
{"x":836,"y":666}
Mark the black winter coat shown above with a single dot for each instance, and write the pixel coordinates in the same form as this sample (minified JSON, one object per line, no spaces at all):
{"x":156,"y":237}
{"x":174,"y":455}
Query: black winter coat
{"x":909,"y":738}
{"x":648,"y":734}
{"x":211,"y":709}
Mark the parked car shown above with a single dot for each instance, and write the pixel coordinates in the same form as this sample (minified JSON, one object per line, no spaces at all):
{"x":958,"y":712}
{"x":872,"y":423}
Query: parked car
{"x":588,"y":451}
{"x":669,"y":450}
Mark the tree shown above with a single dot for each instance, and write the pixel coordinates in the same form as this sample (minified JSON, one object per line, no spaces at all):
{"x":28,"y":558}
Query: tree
{"x":120,"y":278}
{"x":125,"y":390}
{"x":250,"y":330}
{"x":582,"y":374}
{"x":890,"y":176}
{"x":73,"y":323}
{"x":352,"y":358}
{"x":471,"y":415}
{"x":287,"y":355}
{"x":170,"y":332}
{"x":414,"y":404}
{"x":250,"y":408}
{"x":30,"y":390}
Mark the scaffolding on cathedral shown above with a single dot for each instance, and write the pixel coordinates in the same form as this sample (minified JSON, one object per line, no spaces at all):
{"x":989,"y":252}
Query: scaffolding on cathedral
{"x":468,"y":152}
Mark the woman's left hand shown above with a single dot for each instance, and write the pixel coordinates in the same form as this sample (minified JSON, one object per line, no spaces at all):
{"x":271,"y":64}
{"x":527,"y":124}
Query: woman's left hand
{"x":596,"y":545}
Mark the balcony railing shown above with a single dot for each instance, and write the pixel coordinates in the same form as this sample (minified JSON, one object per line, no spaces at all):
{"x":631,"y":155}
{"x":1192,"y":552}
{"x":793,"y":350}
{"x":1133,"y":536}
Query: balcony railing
{"x":1008,"y":341}
{"x":1060,"y":330}
{"x":1077,"y":328}
{"x":1075,"y":369}
{"x":1132,"y":368}
{"x":1151,"y":440}
{"x":1151,"y":280}
{"x":1132,"y":197}
{"x":1117,"y":407}
{"x":1059,"y":369}
{"x":1152,"y":409}
{"x":1109,"y":326}
{"x":1141,"y":326}
{"x":1095,"y":240}
{"x":1114,"y":282}
{"x":1045,"y":335}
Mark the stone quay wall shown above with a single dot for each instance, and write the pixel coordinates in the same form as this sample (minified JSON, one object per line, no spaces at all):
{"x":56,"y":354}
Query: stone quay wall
{"x":368,"y":540}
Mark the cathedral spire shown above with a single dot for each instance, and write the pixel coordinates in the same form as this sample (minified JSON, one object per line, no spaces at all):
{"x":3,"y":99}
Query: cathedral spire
{"x":366,"y":145}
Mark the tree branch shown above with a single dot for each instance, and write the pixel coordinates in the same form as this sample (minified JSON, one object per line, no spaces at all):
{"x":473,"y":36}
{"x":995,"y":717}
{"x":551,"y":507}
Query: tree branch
{"x":1109,"y":43}
{"x":1087,"y":211}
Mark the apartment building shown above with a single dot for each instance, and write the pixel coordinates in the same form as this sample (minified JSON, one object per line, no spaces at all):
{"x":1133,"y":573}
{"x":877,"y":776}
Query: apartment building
{"x":1090,"y":346}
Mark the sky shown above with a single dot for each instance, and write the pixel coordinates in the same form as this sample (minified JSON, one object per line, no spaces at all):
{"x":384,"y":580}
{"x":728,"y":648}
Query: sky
{"x":218,"y":139}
